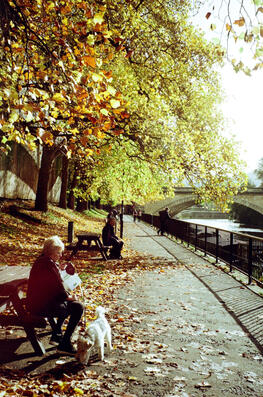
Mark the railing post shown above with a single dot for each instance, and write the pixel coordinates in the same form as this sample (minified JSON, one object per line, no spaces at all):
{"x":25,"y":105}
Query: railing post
{"x":217,"y":244}
{"x":196,"y":229}
{"x":188,"y":234}
{"x":121,"y":219}
{"x":231,"y":252}
{"x":250,"y":261}
{"x":205,"y":239}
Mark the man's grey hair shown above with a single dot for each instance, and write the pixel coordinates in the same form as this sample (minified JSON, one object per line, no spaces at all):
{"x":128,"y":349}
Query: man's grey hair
{"x":51,"y":244}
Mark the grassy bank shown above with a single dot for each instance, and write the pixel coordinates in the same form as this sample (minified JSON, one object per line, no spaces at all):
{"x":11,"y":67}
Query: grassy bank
{"x":23,"y":230}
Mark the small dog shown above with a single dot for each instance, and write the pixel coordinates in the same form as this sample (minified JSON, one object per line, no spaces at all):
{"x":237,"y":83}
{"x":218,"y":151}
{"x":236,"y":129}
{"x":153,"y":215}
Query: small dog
{"x":97,"y":332}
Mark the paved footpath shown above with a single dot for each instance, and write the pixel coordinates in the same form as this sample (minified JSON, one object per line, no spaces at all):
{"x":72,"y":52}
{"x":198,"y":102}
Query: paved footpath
{"x":242,"y":303}
{"x":211,"y":323}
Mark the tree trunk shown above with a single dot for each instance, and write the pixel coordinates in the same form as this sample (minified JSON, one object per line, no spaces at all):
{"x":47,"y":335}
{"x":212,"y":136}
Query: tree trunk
{"x":71,"y":197}
{"x":97,"y":203}
{"x":82,"y":205}
{"x":48,"y":156}
{"x":89,"y":205}
{"x":64,"y":183}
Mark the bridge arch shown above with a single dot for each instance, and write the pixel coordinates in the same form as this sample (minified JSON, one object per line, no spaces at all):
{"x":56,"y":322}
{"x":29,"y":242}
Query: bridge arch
{"x":180,"y":205}
{"x":247,"y":203}
{"x":184,"y":198}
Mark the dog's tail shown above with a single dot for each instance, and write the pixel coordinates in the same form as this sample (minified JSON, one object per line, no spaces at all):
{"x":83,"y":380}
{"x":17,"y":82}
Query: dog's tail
{"x":100,"y":311}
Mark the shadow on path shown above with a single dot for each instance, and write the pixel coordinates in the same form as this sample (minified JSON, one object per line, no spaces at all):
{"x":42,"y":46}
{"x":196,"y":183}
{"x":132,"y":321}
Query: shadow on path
{"x":244,"y":305}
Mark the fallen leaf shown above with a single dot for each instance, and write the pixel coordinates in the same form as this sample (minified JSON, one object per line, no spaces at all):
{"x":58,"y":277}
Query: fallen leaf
{"x":202,"y":385}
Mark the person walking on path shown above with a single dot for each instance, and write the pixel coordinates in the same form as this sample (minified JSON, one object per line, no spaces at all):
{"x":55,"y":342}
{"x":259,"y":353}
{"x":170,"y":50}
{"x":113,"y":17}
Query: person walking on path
{"x":134,"y":215}
{"x":164,"y":217}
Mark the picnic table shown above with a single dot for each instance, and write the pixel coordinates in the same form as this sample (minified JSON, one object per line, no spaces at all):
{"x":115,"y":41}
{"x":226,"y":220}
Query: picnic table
{"x":89,"y":238}
{"x":13,"y":279}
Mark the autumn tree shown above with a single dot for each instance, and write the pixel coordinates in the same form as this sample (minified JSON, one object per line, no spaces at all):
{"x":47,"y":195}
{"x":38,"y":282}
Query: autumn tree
{"x":54,"y":89}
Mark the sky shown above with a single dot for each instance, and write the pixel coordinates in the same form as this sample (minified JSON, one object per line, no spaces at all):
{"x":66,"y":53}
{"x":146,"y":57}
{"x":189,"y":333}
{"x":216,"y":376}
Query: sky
{"x":244,"y":111}
{"x":242,"y":106}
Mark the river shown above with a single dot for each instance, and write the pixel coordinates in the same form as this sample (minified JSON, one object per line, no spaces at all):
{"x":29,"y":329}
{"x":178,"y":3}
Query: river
{"x":228,"y":224}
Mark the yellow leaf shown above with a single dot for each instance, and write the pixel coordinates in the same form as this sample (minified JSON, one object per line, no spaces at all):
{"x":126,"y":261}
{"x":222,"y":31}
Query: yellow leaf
{"x":58,"y":97}
{"x":228,"y":27}
{"x":78,"y":391}
{"x":89,"y":152}
{"x":14,"y":116}
{"x":114,"y":103}
{"x":96,"y":77}
{"x":87,"y":131}
{"x":50,"y":7}
{"x":29,"y":117}
{"x":98,"y":18}
{"x":76,"y":51}
{"x":111,"y":90}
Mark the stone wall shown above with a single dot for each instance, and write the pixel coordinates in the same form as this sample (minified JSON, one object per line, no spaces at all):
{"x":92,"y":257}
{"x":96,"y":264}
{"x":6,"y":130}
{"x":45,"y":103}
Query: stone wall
{"x":19,"y":174}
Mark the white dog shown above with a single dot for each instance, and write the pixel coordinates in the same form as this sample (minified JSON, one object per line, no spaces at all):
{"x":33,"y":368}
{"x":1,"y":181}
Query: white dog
{"x":97,"y":332}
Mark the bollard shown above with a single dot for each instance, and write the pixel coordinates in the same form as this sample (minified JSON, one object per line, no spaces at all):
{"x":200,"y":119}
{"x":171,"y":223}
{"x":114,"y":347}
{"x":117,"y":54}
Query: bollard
{"x":70,"y":231}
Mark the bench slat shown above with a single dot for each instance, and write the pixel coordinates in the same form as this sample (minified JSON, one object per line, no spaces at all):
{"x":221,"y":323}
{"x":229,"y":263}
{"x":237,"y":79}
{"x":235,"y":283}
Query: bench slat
{"x":12,"y":279}
{"x":33,"y":321}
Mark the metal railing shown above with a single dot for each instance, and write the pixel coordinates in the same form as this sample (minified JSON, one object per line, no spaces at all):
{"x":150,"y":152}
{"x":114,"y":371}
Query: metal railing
{"x":240,"y":251}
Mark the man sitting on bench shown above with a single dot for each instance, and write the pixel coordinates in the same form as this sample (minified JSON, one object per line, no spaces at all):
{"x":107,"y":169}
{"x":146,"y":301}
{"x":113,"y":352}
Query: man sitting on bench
{"x":47,"y":297}
{"x":110,"y":239}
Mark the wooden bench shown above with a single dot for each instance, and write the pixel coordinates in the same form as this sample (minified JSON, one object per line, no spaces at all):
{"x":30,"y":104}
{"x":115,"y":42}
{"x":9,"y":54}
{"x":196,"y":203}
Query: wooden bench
{"x":13,"y":279}
{"x":89,"y":238}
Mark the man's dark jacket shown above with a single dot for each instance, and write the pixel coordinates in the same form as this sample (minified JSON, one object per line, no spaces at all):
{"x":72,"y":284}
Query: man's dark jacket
{"x":164,"y":216}
{"x":45,"y":286}
{"x":108,"y":234}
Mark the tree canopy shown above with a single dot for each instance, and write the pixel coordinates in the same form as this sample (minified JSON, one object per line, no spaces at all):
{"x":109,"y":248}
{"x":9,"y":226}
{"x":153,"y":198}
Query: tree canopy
{"x":53,"y":81}
{"x":128,"y":88}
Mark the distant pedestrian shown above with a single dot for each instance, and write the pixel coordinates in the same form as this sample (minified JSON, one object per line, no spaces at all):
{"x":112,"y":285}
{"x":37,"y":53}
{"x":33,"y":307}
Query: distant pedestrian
{"x":164,"y":216}
{"x":139,"y":215}
{"x":134,"y":215}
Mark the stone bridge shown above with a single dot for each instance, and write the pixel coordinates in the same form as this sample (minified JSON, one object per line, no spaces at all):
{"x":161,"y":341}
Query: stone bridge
{"x":184,"y":198}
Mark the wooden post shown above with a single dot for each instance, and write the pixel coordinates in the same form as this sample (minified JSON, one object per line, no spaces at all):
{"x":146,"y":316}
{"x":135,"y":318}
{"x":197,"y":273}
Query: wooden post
{"x":70,"y":231}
